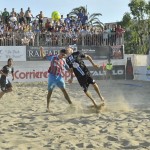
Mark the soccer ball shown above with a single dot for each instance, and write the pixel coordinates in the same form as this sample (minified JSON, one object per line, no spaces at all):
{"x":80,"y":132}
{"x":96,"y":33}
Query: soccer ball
{"x":56,"y":15}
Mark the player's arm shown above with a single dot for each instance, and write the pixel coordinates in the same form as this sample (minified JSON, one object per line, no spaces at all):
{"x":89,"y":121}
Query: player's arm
{"x":12,"y":73}
{"x":42,"y":53}
{"x":91,"y":61}
{"x":72,"y":75}
{"x":2,"y":73}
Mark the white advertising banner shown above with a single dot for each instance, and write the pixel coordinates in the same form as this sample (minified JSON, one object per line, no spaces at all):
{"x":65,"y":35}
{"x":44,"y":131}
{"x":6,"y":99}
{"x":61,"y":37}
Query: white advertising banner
{"x":34,"y":74}
{"x":17,"y":53}
{"x":141,"y":73}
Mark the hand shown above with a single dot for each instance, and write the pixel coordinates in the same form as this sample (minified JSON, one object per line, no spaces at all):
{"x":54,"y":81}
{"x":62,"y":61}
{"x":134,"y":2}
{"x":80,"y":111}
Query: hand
{"x":96,"y":66}
{"x":70,"y":80}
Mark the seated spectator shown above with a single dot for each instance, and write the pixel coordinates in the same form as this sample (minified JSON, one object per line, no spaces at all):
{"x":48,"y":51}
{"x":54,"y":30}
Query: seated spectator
{"x":30,"y":35}
{"x":25,"y":41}
{"x":1,"y":39}
{"x":13,"y":19}
{"x":48,"y":39}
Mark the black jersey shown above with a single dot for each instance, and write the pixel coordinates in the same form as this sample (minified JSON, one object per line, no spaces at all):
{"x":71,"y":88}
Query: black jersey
{"x":75,"y":61}
{"x":7,"y":70}
{"x":5,"y":83}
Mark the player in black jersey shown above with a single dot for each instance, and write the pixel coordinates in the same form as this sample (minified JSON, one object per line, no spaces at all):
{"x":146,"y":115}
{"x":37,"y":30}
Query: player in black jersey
{"x":5,"y":84}
{"x":76,"y":63}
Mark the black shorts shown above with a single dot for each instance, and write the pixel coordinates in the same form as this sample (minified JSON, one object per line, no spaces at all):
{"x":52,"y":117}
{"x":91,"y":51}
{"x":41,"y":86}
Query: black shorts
{"x":4,"y":86}
{"x":85,"y":81}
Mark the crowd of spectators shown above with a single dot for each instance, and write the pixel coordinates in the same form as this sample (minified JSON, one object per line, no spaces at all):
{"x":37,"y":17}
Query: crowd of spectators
{"x":22,"y":28}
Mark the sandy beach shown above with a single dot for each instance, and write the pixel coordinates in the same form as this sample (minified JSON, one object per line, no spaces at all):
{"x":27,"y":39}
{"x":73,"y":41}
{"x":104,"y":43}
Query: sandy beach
{"x":124,"y":122}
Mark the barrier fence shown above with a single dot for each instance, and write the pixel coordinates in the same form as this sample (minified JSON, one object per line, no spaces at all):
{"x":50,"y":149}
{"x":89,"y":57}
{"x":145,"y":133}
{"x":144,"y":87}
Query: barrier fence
{"x":59,"y":39}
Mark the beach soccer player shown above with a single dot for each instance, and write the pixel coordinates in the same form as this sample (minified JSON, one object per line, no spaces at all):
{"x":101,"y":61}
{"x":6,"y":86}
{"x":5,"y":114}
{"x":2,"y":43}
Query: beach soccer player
{"x":78,"y":67}
{"x":57,"y":64}
{"x":5,"y":82}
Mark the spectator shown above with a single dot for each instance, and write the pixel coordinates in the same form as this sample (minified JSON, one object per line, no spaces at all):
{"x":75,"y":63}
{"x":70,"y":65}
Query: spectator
{"x":28,"y":15}
{"x":5,"y":16}
{"x":21,"y":16}
{"x":40,"y":18}
{"x":1,"y":39}
{"x":25,"y":41}
{"x":67,"y":21}
{"x":119,"y":35}
{"x":13,"y":13}
{"x":84,"y":19}
{"x":30,"y":35}
{"x":13,"y":20}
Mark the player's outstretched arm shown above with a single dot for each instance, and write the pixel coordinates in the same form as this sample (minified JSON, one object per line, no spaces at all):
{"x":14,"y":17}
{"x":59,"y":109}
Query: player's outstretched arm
{"x":92,"y":62}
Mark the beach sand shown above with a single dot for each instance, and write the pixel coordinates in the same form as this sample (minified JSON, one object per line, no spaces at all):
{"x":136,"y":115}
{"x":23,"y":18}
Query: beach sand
{"x":123,"y":123}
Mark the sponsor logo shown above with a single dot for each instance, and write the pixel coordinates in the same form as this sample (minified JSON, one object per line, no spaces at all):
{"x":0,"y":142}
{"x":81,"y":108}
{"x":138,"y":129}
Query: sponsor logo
{"x":101,"y":73}
{"x":29,"y":75}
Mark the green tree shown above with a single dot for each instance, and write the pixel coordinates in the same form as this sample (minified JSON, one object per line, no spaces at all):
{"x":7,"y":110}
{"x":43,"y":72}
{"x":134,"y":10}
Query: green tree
{"x":137,"y":24}
{"x":93,"y":19}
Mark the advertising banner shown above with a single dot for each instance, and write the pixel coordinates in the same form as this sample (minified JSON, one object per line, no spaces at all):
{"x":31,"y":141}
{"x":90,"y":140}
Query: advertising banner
{"x":103,"y":52}
{"x":116,"y":52}
{"x":96,"y":52}
{"x":33,"y":53}
{"x":35,"y":74}
{"x":118,"y":72}
{"x":142,"y":73}
{"x":17,"y":53}
{"x":40,"y":73}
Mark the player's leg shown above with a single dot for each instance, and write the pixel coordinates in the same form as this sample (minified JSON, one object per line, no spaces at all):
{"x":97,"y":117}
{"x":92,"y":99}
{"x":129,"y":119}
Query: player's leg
{"x":1,"y":94}
{"x":48,"y":99}
{"x":96,"y":88}
{"x":66,"y":95}
{"x":90,"y":96}
{"x":51,"y":86}
{"x":61,"y":85}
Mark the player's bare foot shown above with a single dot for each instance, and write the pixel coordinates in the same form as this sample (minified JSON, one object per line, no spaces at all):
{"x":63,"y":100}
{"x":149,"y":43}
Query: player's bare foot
{"x":48,"y":110}
{"x":103,"y":100}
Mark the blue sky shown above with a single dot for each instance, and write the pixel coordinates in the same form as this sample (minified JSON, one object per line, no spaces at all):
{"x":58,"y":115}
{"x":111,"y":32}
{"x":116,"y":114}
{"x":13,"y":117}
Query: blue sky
{"x":111,"y":10}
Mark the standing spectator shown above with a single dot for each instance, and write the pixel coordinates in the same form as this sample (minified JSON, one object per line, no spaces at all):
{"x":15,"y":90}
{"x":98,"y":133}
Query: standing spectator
{"x":67,"y":21}
{"x":61,"y":19}
{"x":106,"y":33}
{"x":28,"y":15}
{"x":80,"y":14}
{"x":119,"y":34}
{"x":113,"y":36}
{"x":13,"y":13}
{"x":84,"y":18}
{"x":5,"y":16}
{"x":40,"y":16}
{"x":21,"y":16}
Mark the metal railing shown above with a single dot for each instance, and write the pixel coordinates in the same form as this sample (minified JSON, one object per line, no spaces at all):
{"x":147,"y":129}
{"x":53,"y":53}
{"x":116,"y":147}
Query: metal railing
{"x":60,"y":39}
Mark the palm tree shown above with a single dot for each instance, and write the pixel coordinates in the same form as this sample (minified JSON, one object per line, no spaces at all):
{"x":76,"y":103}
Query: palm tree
{"x":93,"y":19}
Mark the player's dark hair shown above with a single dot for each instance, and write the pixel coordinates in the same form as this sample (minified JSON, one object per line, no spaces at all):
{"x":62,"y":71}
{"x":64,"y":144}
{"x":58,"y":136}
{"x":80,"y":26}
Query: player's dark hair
{"x":9,"y":59}
{"x":63,"y":51}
